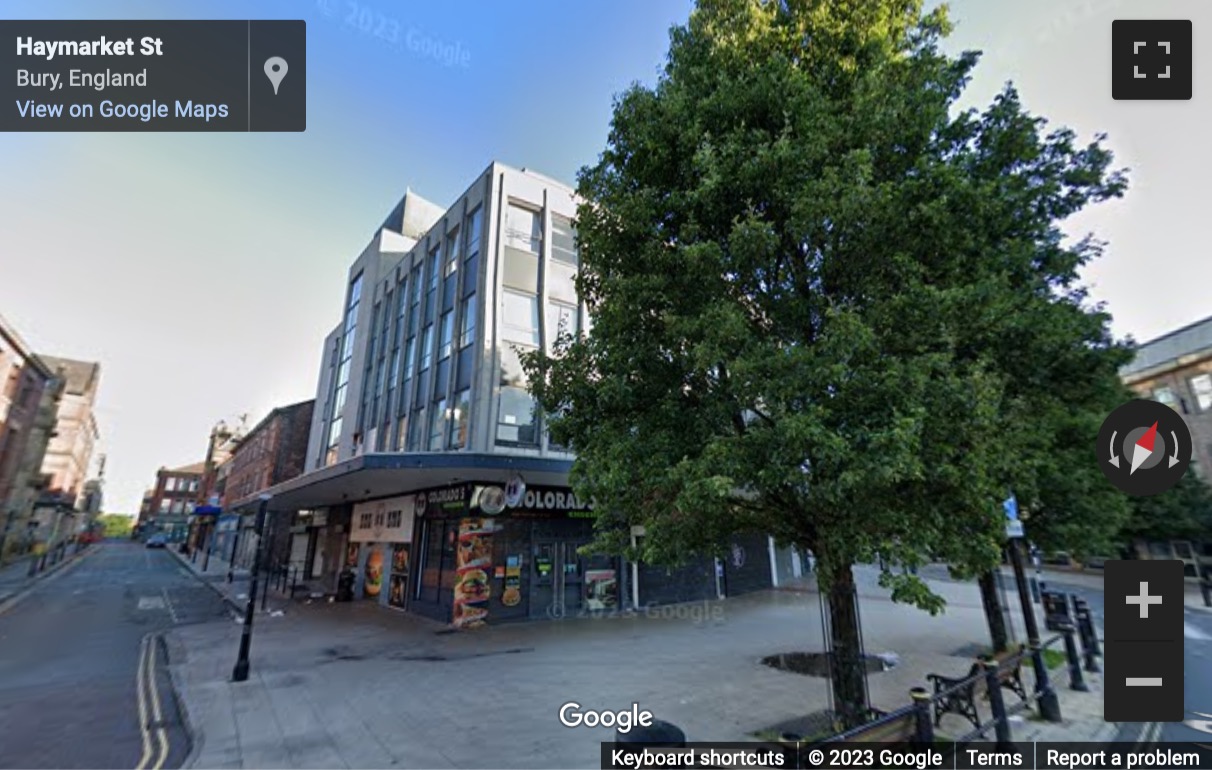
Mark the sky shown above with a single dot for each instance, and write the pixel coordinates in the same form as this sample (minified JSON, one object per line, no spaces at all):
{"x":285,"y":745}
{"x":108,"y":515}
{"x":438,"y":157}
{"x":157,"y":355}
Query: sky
{"x":204,"y":270}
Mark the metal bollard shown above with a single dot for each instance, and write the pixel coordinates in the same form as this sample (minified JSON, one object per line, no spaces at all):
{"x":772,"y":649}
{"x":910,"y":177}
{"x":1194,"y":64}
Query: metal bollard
{"x":924,"y":733}
{"x":1076,"y":681}
{"x":1086,"y":633}
{"x":1045,"y":696}
{"x":1205,"y":587}
{"x":997,"y":704}
{"x":1086,"y":624}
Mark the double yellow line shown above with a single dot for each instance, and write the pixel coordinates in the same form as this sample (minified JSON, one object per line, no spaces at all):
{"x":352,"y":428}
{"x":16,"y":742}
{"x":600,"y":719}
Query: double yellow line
{"x":149,"y":706}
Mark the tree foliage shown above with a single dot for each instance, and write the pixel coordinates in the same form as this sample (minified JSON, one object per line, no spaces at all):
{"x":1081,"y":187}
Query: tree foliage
{"x":116,"y":524}
{"x":1181,"y":513}
{"x":827,"y":304}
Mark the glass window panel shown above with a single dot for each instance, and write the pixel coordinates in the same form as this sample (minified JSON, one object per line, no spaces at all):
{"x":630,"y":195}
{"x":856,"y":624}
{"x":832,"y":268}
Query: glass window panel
{"x":437,"y":425}
{"x":1201,"y":386}
{"x":446,"y":336}
{"x":561,"y":283}
{"x":471,"y":275}
{"x":426,"y":347}
{"x":401,"y":433}
{"x":516,"y":420}
{"x":520,"y":318}
{"x":474,"y":221}
{"x":459,"y":419}
{"x":563,"y":240}
{"x":410,"y":356}
{"x":561,"y":320}
{"x":467,"y":323}
{"x":435,"y":265}
{"x":452,"y":253}
{"x":523,"y":229}
{"x":512,"y":373}
{"x":414,"y":430}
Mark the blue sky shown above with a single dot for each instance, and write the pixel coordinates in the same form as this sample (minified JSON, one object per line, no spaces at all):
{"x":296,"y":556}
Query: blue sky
{"x":203,"y":270}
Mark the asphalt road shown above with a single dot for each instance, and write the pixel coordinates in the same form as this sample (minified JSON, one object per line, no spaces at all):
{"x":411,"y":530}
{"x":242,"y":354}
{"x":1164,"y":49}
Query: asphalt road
{"x":83,"y":679}
{"x":1197,"y":666}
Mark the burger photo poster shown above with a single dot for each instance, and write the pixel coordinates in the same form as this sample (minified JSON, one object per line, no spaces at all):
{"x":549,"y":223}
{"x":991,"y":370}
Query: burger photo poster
{"x":374,"y":572}
{"x":474,"y":564}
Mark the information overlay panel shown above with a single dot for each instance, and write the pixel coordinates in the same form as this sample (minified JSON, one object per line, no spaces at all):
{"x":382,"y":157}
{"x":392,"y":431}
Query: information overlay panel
{"x":153,"y":75}
{"x":940,"y":755}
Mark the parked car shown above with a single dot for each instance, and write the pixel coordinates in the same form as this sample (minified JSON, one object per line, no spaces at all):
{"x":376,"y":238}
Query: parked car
{"x":157,"y":541}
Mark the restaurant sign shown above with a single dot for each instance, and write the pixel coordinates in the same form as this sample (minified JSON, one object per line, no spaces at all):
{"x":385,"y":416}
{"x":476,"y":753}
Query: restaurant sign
{"x":383,"y":521}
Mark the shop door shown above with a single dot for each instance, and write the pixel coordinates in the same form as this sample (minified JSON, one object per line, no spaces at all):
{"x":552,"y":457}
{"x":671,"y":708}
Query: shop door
{"x":557,"y":579}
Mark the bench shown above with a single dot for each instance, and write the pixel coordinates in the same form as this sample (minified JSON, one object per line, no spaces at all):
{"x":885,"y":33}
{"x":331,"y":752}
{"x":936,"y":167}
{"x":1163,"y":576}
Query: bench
{"x":958,"y":695}
{"x":902,"y":729}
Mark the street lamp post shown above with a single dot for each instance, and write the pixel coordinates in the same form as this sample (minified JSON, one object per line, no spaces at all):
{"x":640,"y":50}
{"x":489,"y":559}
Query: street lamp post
{"x":240,"y":672}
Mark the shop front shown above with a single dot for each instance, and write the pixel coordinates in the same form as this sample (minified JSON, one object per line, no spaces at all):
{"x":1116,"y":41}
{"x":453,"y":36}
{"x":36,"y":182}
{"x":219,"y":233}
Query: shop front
{"x":489,"y":553}
{"x":379,"y":542}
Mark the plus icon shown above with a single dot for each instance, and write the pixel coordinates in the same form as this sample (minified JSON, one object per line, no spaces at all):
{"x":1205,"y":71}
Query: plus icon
{"x":1144,"y":600}
{"x":1151,"y":59}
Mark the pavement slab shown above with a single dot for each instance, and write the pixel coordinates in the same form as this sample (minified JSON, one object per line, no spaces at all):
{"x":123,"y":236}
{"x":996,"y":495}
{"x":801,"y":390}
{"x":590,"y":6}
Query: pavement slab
{"x":355,"y":685}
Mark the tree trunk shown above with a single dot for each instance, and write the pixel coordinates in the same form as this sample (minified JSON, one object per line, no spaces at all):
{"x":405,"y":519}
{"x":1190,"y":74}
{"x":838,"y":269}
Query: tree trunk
{"x":848,"y":669}
{"x":994,"y":612}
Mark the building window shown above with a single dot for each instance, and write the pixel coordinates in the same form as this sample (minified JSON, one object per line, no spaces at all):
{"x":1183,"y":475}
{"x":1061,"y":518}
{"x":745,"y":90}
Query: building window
{"x":523,"y":229}
{"x":401,"y":434}
{"x":562,"y":319}
{"x":342,"y":383}
{"x":437,"y":425}
{"x":165,"y":505}
{"x":445,"y":336}
{"x":1201,"y":386}
{"x":452,"y":253}
{"x":563,"y":240}
{"x":410,"y":357}
{"x":458,"y":419}
{"x":516,"y":420}
{"x":414,"y":430}
{"x":474,"y":220}
{"x":1165,"y":396}
{"x":467,"y":321}
{"x":520,"y":318}
{"x":426,"y":347}
{"x":435,"y":265}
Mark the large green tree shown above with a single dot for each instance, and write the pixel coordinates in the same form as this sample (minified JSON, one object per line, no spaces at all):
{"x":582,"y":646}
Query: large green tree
{"x":813,"y":282}
{"x":1181,"y":513}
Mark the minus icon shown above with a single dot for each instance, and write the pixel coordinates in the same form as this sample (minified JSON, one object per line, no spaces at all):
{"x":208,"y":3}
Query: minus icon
{"x":1143,"y":681}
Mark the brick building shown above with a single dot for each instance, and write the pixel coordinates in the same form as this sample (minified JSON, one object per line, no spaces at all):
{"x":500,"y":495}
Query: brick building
{"x":172,"y":500}
{"x":70,"y":453}
{"x":272,"y":452}
{"x":29,"y":400}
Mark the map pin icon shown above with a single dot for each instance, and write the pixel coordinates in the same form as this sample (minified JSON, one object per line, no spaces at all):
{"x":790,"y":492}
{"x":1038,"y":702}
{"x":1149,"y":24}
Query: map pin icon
{"x":275,"y":70}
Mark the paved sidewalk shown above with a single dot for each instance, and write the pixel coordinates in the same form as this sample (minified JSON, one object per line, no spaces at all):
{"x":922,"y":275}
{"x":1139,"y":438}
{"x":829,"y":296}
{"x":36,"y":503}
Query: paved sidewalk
{"x":15,"y":578}
{"x":355,"y":685}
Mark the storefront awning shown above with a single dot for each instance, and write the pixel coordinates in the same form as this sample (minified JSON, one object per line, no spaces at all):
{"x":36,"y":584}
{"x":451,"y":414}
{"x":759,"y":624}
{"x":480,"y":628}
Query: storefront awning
{"x":371,"y":476}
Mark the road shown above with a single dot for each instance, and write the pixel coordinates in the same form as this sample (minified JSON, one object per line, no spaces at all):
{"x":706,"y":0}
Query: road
{"x":1197,"y":666}
{"x":83,"y":681}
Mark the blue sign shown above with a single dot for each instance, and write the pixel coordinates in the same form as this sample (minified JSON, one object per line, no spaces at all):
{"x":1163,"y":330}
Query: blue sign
{"x":1011,"y":507}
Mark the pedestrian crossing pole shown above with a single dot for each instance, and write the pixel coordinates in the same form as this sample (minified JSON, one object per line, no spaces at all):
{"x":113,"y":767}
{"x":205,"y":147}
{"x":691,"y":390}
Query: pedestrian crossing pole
{"x":240,"y":672}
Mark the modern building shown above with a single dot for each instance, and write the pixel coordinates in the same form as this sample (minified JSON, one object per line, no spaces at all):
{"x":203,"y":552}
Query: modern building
{"x":29,"y":402}
{"x":271,"y":453}
{"x":173,"y":500}
{"x":70,"y":454}
{"x":430,"y":472}
{"x":1176,"y":369}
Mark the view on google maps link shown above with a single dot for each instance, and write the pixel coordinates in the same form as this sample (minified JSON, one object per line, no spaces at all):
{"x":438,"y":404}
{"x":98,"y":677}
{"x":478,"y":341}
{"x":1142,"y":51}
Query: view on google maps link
{"x":661,"y":383}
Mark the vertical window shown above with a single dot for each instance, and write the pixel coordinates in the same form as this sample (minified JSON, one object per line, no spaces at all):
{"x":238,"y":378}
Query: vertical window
{"x":520,"y":318}
{"x":563,"y":240}
{"x":445,"y":336}
{"x":474,"y":220}
{"x":426,"y":347}
{"x":341,"y":385}
{"x":523,"y":229}
{"x":401,"y":434}
{"x":435,"y":266}
{"x":452,"y":253}
{"x":410,"y":357}
{"x":467,"y":321}
{"x":1201,"y":386}
{"x":1165,"y":396}
{"x":437,"y":425}
{"x":562,"y":319}
{"x":516,"y":418}
{"x":414,"y":430}
{"x":458,"y":419}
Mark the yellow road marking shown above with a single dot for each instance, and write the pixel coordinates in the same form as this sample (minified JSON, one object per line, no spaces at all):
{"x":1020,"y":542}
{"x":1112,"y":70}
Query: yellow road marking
{"x":147,"y":749}
{"x":157,"y":714}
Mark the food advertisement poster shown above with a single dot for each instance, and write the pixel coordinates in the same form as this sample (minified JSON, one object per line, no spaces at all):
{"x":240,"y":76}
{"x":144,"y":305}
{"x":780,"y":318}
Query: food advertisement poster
{"x":351,"y":555}
{"x":512,"y":595}
{"x":601,"y":589}
{"x":473,"y":564}
{"x":399,"y":575}
{"x":374,"y":572}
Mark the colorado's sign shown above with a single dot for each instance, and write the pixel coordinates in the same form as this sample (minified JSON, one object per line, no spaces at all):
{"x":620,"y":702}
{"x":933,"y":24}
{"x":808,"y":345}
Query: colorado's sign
{"x":552,"y":499}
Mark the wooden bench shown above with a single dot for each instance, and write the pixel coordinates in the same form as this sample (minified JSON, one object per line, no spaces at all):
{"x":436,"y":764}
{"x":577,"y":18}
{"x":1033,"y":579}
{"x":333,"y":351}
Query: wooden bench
{"x":902,"y":729}
{"x":952,"y":696}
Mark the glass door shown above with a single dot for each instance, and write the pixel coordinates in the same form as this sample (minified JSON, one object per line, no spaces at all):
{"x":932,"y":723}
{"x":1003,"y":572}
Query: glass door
{"x":557,"y":580}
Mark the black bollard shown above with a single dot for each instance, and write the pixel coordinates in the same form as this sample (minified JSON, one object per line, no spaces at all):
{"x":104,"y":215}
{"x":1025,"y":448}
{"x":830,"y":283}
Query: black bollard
{"x":1205,"y":587}
{"x":923,"y":735}
{"x":1076,"y":681}
{"x":997,"y":704}
{"x":1045,"y":695}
